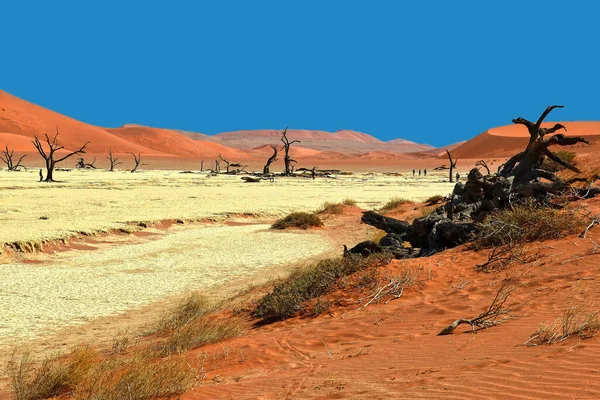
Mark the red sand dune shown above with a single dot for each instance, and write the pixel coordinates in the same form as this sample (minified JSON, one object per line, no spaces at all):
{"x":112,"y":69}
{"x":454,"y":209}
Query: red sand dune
{"x":174,"y":143}
{"x":508,"y":140}
{"x":23,"y":118}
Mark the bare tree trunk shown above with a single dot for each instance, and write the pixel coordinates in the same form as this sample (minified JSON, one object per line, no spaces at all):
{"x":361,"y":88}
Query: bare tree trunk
{"x":286,"y":146}
{"x":202,"y":166}
{"x":137,"y":160}
{"x":271,"y":160}
{"x":452,"y":165}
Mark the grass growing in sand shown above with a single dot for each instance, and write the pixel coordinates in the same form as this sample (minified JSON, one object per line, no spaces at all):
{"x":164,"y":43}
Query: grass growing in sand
{"x":580,"y":319}
{"x":394,"y":203}
{"x":304,"y":284}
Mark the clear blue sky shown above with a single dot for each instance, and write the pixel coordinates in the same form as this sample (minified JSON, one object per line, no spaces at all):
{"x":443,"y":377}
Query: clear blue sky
{"x":427,"y":71}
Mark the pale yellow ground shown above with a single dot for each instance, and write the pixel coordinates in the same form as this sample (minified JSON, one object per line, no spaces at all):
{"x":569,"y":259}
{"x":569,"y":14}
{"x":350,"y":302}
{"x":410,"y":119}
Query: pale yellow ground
{"x":91,"y":201}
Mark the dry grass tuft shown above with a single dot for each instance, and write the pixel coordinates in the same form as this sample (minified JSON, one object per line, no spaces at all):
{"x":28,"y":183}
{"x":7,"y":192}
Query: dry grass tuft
{"x":349,"y":202}
{"x":206,"y":330}
{"x":191,"y":308}
{"x":394,"y":203}
{"x":434,"y":199}
{"x":53,"y":376}
{"x":288,"y":296}
{"x":300,"y":220}
{"x":331,"y":208}
{"x":580,"y":319}
{"x":139,"y":378}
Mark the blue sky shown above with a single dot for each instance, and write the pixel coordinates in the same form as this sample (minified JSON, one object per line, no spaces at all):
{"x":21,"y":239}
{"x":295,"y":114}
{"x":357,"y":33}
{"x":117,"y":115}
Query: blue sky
{"x":429,"y":71}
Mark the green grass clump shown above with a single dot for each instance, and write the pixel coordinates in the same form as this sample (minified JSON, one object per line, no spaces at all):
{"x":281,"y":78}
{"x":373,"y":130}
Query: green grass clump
{"x":300,"y":220}
{"x":288,"y":296}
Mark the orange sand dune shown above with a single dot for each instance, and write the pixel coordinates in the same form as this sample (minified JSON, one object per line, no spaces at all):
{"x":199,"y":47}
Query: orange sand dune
{"x":174,"y":143}
{"x":23,"y":118}
{"x":18,"y":143}
{"x":391,"y":350}
{"x":299,"y":134}
{"x":508,"y":140}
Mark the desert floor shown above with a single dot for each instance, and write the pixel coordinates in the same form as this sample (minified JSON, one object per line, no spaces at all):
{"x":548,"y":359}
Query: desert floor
{"x":92,"y":260}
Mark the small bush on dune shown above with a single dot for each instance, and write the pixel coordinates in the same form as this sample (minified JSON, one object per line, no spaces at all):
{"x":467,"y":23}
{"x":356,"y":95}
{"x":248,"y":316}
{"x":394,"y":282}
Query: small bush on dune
{"x":395,"y":202}
{"x":300,"y":220}
{"x":527,"y":222}
{"x":349,"y":202}
{"x":304,"y":284}
{"x":552,"y":166}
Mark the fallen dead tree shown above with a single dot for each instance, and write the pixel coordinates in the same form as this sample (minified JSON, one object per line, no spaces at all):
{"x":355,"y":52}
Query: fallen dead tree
{"x":520,"y":179}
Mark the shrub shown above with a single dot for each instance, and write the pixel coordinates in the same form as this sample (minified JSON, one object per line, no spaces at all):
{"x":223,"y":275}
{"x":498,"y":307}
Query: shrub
{"x":304,"y":284}
{"x":300,"y":220}
{"x":552,"y":166}
{"x":525,"y":223}
{"x":395,"y":202}
{"x":349,"y":202}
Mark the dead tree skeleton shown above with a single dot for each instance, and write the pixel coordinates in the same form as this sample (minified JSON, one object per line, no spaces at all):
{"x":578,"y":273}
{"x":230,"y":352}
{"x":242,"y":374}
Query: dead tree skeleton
{"x":271,"y":160}
{"x":456,"y":222}
{"x":452,"y":165}
{"x":114,"y":161}
{"x":82,"y":164}
{"x":7,"y":157}
{"x":49,"y":157}
{"x":137,"y":159}
{"x":289,"y":168}
{"x":483,"y":164}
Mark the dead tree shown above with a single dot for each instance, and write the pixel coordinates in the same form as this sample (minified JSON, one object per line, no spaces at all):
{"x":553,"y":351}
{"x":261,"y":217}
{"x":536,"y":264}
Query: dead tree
{"x":217,"y":166}
{"x":49,"y":157}
{"x":82,"y":164}
{"x":137,"y":160}
{"x":114,"y":161}
{"x":536,"y":134}
{"x":457,"y":222}
{"x":202,"y":166}
{"x":226,"y":163}
{"x":483,"y":164}
{"x":271,"y":160}
{"x":452,"y":165}
{"x":7,"y":157}
{"x":289,"y":169}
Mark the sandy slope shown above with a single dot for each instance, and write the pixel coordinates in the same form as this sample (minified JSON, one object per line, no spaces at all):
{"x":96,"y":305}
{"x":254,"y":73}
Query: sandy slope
{"x":175,"y":143}
{"x":20,"y":117}
{"x":391,"y":351}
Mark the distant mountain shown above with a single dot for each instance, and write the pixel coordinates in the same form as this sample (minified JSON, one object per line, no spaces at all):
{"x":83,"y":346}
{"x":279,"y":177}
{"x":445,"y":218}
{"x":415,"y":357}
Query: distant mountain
{"x":343,"y":141}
